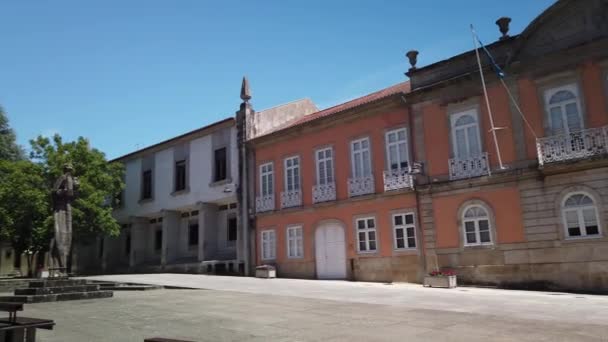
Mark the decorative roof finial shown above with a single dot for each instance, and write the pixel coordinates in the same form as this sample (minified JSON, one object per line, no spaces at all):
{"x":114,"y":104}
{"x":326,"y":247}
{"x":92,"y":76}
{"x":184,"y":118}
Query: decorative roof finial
{"x":412,"y":55}
{"x":503,"y":26}
{"x":245,"y":92}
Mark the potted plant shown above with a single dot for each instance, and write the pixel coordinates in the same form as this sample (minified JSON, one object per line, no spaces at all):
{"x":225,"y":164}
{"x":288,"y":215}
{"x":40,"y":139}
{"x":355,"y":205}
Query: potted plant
{"x":441,"y":278}
{"x":265,"y":271}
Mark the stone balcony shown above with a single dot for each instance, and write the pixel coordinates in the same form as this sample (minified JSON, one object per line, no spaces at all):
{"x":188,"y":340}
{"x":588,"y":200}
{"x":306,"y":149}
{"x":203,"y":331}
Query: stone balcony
{"x":264,"y":203}
{"x":324,"y":193}
{"x":361,"y":186}
{"x":476,"y":166}
{"x":398,"y":179}
{"x":291,"y":198}
{"x":585,"y":143}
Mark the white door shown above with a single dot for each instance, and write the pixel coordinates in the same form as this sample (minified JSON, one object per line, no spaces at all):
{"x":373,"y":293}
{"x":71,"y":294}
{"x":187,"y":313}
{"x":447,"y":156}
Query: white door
{"x":330,"y":252}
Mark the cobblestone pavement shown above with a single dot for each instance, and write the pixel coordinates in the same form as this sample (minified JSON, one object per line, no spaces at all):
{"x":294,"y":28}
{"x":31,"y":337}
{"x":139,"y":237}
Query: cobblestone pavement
{"x":248,"y":309}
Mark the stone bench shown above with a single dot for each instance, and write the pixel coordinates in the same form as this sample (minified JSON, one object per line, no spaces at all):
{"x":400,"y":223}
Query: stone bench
{"x":21,"y":329}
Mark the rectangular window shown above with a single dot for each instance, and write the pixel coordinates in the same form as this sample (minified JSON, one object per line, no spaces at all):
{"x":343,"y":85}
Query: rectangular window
{"x":396,"y":149}
{"x":360,"y":158}
{"x":366,"y":234}
{"x":404,"y":231}
{"x":180,"y":175}
{"x":325,"y":166}
{"x":146,"y":192}
{"x":220,"y":163}
{"x":292,"y":173}
{"x":158,"y":240}
{"x":295,"y":242}
{"x":266,"y":179}
{"x":232,"y":229}
{"x":268,"y":245}
{"x":193,"y":234}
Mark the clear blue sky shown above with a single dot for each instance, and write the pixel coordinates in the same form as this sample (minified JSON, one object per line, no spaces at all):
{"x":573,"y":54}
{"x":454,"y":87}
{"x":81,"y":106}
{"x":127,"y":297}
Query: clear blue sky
{"x":127,"y":74}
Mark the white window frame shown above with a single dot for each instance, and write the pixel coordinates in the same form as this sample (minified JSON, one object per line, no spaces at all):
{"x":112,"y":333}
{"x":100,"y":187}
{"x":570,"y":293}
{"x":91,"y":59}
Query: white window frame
{"x":367,"y":232}
{"x":453,"y":119}
{"x":269,"y":176}
{"x":360,"y":151}
{"x":548,"y":93}
{"x":268,"y":243}
{"x":581,"y":220}
{"x":292,"y":168}
{"x":324,"y":161}
{"x":396,"y":144}
{"x":298,"y":242}
{"x":476,"y":225}
{"x":404,"y":226}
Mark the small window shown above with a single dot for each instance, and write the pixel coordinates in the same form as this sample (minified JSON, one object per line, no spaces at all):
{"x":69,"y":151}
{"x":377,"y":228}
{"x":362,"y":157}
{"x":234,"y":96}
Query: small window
{"x":396,"y":150}
{"x":180,"y":175}
{"x":360,"y":158}
{"x":325,"y":166}
{"x":158,"y":240}
{"x":220,"y":164}
{"x":476,"y":226}
{"x":295,"y":242}
{"x":465,"y":135}
{"x":580,"y":216}
{"x":404,"y":231}
{"x":266,"y":179}
{"x":193,"y":234}
{"x":366,"y":234}
{"x":128,"y":244}
{"x":232,"y":229}
{"x":268,"y":245}
{"x":147,"y":185}
{"x":292,"y":174}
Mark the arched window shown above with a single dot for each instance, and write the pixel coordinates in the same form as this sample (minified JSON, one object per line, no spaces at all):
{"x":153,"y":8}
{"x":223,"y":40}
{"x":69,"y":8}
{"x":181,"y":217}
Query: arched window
{"x":564,"y":110}
{"x":580,"y":216}
{"x":476,"y":226}
{"x":465,"y":135}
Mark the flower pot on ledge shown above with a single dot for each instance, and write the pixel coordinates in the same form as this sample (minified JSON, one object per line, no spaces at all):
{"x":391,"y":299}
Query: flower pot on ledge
{"x":265,"y":271}
{"x":445,"y":279}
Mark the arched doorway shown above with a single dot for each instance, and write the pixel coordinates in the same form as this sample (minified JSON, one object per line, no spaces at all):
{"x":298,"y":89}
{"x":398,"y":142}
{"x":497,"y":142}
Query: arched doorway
{"x":330,"y":251}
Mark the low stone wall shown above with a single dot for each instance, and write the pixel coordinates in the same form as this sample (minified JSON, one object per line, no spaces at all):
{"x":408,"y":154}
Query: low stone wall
{"x":406,"y":268}
{"x":297,"y":269}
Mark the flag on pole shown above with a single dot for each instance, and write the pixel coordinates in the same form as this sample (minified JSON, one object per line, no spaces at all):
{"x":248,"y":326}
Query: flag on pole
{"x":497,"y":69}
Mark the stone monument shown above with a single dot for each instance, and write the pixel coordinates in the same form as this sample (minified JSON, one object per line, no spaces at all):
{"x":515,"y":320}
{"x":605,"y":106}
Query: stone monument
{"x":61,"y":244}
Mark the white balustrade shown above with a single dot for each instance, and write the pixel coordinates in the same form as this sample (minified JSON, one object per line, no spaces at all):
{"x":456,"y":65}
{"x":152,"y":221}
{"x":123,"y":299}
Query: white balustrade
{"x":291,"y":198}
{"x":324,"y":193}
{"x":398,"y":179}
{"x":264,"y":203}
{"x":577,"y":145}
{"x":361,"y":186}
{"x":475,"y":166}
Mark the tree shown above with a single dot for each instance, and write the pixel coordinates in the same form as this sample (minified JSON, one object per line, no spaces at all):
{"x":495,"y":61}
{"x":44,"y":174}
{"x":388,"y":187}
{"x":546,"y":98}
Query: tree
{"x":24,"y":208}
{"x":9,"y":150}
{"x":100,"y":183}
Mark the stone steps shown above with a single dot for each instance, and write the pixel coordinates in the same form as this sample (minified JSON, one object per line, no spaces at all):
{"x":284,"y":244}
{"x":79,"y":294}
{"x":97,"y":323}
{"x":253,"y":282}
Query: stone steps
{"x":56,"y":297}
{"x":57,"y":283}
{"x":56,"y":290}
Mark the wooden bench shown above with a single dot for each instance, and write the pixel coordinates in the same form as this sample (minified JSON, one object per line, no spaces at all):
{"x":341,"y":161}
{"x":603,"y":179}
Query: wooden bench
{"x":13,"y":328}
{"x":161,"y":339}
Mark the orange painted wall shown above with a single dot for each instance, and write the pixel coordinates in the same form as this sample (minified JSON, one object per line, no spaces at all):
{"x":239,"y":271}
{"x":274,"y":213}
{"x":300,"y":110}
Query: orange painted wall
{"x":379,"y":208}
{"x":499,"y":103}
{"x":339,"y":137}
{"x":529,"y":102}
{"x":436,"y":139}
{"x":504,"y":202}
{"x":594,"y":90}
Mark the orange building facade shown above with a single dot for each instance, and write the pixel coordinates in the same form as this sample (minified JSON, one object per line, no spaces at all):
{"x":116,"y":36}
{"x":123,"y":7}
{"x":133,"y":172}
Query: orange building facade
{"x":393,"y":185}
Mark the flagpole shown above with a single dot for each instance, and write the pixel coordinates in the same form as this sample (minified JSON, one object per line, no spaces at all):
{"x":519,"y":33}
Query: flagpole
{"x":485,"y":93}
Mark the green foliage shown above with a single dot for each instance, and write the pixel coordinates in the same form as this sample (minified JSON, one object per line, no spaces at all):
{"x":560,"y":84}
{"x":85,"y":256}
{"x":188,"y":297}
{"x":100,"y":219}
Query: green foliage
{"x":9,"y":150}
{"x":100,"y":183}
{"x":24,"y":206}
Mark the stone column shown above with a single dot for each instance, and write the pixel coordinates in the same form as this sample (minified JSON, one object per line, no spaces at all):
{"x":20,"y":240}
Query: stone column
{"x":139,"y":230}
{"x":170,"y":250}
{"x":207,"y":230}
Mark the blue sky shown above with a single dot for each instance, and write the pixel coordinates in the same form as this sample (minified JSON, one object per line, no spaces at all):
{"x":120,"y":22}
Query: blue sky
{"x":127,"y":74}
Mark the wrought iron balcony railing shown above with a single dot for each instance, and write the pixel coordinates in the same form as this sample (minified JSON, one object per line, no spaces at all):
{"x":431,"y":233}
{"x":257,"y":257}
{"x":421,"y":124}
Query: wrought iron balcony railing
{"x":324,"y":193}
{"x":361,"y":186}
{"x":398,"y":179}
{"x":291,"y":198}
{"x":475,"y":166}
{"x":577,"y":145}
{"x":264,"y":203}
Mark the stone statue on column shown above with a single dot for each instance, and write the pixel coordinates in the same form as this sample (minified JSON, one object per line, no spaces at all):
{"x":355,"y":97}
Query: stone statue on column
{"x":63,"y":196}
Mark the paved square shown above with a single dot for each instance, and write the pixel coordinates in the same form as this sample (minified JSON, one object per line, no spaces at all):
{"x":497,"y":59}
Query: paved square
{"x":249,"y":309}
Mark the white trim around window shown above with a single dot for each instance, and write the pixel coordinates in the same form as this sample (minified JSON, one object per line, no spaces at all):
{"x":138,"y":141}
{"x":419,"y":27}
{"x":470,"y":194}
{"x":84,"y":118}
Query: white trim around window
{"x":404,"y":231}
{"x":465,"y":127}
{"x":580,"y":216}
{"x":295,"y":242}
{"x":476,"y":226}
{"x":292,"y":173}
{"x":367,"y":236}
{"x":397,"y":149}
{"x":360,"y":157}
{"x":268,"y":243}
{"x":266,"y":179}
{"x":560,"y":104}
{"x":324,"y":165}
